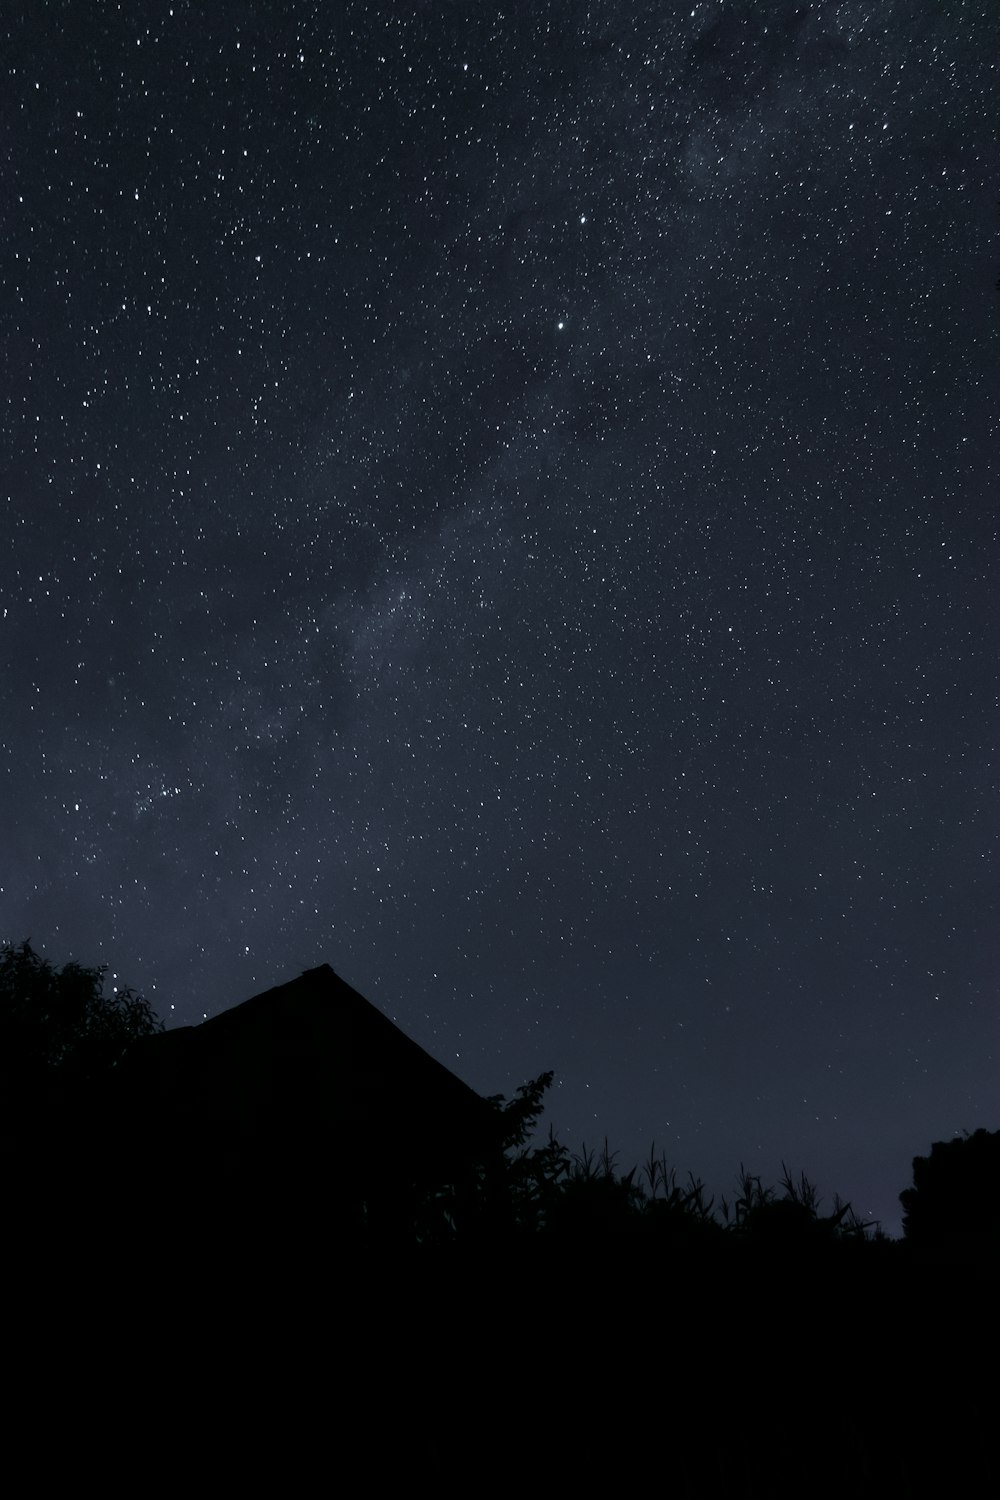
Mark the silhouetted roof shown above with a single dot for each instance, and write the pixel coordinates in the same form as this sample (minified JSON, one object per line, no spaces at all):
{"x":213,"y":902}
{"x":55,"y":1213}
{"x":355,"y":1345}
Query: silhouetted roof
{"x":315,"y":1066}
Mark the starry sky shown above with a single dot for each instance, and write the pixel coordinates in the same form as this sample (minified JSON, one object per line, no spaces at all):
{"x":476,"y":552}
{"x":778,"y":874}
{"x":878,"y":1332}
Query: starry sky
{"x":503,"y":501}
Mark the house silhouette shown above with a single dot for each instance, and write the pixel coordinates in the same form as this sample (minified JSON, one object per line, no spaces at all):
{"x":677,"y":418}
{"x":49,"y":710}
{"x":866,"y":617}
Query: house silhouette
{"x":304,"y":1102}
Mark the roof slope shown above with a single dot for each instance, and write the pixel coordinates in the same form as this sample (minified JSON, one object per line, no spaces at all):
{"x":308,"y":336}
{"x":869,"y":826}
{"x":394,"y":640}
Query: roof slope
{"x":307,"y":1075}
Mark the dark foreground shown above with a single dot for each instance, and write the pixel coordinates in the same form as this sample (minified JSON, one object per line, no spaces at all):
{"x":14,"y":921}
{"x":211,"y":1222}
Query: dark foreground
{"x":224,"y":1363}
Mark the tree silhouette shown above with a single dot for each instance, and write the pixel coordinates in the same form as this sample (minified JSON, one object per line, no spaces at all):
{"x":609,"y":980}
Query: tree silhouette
{"x":955,"y":1197}
{"x":60,"y":1022}
{"x":513,"y":1185}
{"x":64,"y":1141}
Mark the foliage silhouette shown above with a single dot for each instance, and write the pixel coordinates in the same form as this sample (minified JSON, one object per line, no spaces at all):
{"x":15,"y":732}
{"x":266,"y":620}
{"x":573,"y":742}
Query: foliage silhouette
{"x":64,"y":1141}
{"x":955,"y":1197}
{"x":514,"y":1185}
{"x":60,"y":1021}
{"x":547,"y":1192}
{"x":759,"y":1216}
{"x":594,"y":1199}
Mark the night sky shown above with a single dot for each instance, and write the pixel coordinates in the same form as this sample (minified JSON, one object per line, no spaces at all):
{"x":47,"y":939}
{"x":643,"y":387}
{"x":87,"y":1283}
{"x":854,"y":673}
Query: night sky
{"x":504,"y":502}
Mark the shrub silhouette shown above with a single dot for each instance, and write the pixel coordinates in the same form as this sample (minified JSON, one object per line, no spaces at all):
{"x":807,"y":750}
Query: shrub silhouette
{"x":593,"y":1199}
{"x":760,"y":1217}
{"x":955,"y":1197}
